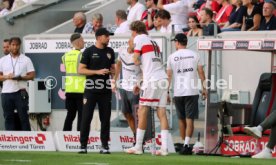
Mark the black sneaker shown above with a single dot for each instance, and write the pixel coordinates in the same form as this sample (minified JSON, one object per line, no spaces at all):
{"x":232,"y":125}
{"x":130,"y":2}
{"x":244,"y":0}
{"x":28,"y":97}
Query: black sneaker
{"x":186,"y":150}
{"x":104,"y":150}
{"x":83,"y":151}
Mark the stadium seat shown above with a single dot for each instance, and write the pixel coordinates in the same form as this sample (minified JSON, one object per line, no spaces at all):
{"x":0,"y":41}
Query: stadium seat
{"x":264,"y":102}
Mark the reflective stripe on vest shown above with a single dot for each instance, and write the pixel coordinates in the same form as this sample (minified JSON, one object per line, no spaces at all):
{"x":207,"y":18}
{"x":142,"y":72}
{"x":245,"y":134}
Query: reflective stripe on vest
{"x":74,"y":82}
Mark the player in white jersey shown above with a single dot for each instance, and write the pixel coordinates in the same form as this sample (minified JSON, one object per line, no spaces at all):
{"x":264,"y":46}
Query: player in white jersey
{"x":131,"y":74}
{"x":154,"y":89}
{"x":184,"y":65}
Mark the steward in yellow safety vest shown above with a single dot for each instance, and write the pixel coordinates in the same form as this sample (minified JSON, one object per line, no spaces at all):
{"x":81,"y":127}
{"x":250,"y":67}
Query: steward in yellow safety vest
{"x":74,"y":82}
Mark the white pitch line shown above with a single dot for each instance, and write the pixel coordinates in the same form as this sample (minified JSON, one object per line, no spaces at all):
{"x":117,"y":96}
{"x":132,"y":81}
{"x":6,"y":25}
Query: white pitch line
{"x":88,"y":163}
{"x":18,"y":160}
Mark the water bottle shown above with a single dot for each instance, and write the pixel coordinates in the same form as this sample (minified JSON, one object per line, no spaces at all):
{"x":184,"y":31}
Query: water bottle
{"x":198,"y":147}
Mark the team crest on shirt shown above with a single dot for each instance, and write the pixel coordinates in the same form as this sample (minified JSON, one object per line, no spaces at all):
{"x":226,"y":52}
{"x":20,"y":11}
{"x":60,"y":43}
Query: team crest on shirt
{"x":108,"y":55}
{"x":84,"y":101}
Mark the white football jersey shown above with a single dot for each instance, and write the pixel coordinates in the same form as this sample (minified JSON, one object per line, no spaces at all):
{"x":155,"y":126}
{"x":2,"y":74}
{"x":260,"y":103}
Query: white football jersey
{"x":131,"y":73}
{"x":184,"y":64}
{"x":151,"y":58}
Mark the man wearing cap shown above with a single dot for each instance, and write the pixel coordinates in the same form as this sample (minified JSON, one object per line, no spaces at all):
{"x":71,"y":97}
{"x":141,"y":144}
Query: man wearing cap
{"x":74,"y":83}
{"x":184,"y":65}
{"x":97,"y":63}
{"x":269,"y":20}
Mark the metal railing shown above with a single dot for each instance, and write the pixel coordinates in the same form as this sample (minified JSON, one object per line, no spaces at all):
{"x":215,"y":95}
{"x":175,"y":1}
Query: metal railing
{"x":28,"y":8}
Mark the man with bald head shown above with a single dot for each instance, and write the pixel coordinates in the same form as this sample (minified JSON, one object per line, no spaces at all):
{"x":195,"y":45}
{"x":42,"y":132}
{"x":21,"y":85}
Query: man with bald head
{"x":79,"y":21}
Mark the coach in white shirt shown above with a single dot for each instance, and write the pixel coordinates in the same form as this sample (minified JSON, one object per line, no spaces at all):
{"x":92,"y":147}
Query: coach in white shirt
{"x":15,"y":70}
{"x":135,"y":10}
{"x":184,"y":65}
{"x":121,"y":22}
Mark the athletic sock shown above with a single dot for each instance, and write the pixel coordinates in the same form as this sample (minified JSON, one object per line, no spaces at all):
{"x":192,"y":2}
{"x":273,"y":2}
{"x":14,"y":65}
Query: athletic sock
{"x":164,"y":139}
{"x":260,"y":128}
{"x":187,"y":141}
{"x":139,"y":138}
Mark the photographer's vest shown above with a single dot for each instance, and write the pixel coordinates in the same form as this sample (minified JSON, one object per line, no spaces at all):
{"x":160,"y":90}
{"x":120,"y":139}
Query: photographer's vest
{"x":74,"y":82}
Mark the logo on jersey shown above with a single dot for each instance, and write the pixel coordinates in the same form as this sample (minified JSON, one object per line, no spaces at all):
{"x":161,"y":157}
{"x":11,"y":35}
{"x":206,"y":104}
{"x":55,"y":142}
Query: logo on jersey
{"x":182,"y":58}
{"x":185,"y":70}
{"x":108,"y":55}
{"x":95,"y":55}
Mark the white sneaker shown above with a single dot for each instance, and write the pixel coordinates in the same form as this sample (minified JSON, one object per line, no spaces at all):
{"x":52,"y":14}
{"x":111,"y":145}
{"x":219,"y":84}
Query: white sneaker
{"x":134,"y":151}
{"x":263,"y":155}
{"x":253,"y":131}
{"x":162,"y":152}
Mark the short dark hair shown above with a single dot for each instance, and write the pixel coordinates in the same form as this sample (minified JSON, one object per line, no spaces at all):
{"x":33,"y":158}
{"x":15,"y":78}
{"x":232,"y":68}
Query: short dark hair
{"x":17,"y":39}
{"x":208,"y":12}
{"x":155,"y":2}
{"x":163,"y":14}
{"x":139,"y":27}
{"x":74,"y":37}
{"x":6,"y":40}
{"x":121,"y":14}
{"x":102,"y":31}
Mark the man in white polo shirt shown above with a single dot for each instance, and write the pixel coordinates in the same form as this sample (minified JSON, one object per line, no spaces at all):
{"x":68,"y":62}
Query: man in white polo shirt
{"x":135,"y":10}
{"x":15,"y":70}
{"x":184,"y":65}
{"x":121,"y":22}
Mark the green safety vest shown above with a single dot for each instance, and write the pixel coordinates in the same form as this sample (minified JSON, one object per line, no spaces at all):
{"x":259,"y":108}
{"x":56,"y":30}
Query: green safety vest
{"x":74,"y":82}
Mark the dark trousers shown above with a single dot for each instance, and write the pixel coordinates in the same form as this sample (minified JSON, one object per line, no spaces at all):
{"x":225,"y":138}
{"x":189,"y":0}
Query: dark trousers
{"x":270,"y":123}
{"x":12,"y":101}
{"x":104,"y":105}
{"x":73,"y":105}
{"x":17,"y":124}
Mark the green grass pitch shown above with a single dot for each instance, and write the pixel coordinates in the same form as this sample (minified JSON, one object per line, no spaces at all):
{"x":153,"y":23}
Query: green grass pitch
{"x":62,"y":158}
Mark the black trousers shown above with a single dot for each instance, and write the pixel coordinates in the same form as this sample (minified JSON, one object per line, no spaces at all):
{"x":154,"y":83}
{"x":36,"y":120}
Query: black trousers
{"x":73,"y":104}
{"x":104,"y":104}
{"x":12,"y":101}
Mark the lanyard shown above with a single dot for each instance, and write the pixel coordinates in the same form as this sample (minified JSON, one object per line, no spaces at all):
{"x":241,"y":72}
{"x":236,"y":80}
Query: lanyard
{"x":14,"y":64}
